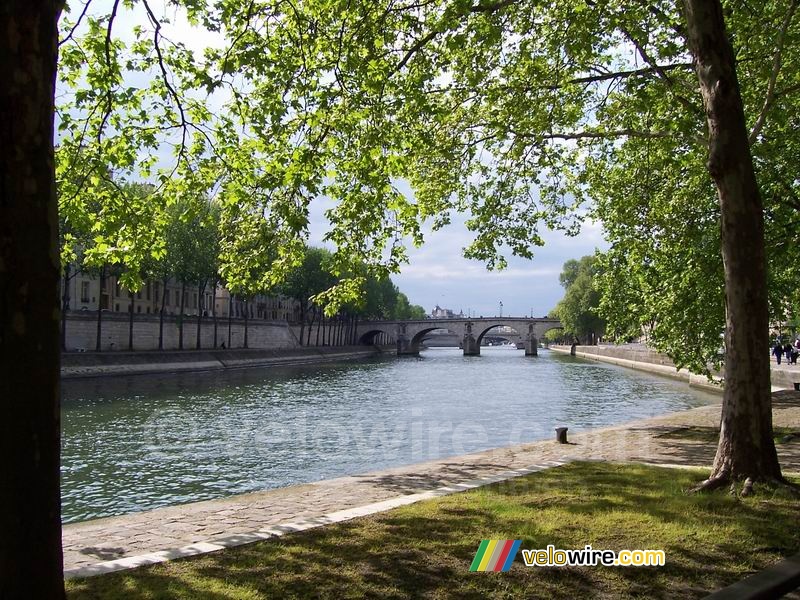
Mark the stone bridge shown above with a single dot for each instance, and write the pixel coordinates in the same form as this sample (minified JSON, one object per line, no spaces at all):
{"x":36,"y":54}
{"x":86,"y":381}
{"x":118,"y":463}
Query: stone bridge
{"x":408,"y":335}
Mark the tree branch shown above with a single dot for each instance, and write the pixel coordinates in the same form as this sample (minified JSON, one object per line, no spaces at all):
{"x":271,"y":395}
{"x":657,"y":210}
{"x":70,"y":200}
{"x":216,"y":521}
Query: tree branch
{"x":109,"y":99}
{"x":773,"y":78}
{"x":489,"y":8}
{"x":174,"y":94}
{"x":420,"y":43}
{"x":597,"y":135}
{"x":76,"y":25}
{"x":661,"y":72}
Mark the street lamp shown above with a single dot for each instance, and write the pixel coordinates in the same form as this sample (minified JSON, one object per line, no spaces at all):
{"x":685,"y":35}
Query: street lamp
{"x":501,"y":308}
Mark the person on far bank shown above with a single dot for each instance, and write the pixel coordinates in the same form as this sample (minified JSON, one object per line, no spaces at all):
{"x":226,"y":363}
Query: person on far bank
{"x":777,"y":351}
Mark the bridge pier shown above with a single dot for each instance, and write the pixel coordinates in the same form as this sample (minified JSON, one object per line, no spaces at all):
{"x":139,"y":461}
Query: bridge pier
{"x":471,"y":346}
{"x":531,"y":346}
{"x":405,"y":348}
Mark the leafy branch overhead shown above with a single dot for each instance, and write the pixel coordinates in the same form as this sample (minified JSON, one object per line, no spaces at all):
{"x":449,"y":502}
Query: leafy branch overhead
{"x":522,"y":115}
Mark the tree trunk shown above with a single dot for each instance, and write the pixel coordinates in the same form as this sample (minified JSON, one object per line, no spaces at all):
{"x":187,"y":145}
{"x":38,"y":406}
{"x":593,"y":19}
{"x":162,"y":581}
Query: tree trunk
{"x":65,"y":305}
{"x":246,"y":315}
{"x":98,"y":343}
{"x":302,"y":321}
{"x":161,"y":314}
{"x":746,"y":448}
{"x":130,"y":321}
{"x":214,"y":310}
{"x":230,"y":317}
{"x":201,"y":288}
{"x":180,"y":315}
{"x":31,"y":564}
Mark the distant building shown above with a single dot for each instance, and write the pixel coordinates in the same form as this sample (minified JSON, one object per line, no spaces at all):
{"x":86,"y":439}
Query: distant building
{"x":445,"y":313}
{"x":85,"y":293}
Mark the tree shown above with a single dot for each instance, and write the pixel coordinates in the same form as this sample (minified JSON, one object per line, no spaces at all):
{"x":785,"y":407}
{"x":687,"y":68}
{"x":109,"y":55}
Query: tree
{"x":307,"y":280}
{"x":746,"y":449}
{"x":578,"y":310}
{"x":191,"y":252}
{"x":30,"y":512}
{"x":405,"y":310}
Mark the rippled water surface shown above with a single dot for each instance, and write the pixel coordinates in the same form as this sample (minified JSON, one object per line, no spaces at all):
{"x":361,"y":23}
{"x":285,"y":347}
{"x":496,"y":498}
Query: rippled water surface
{"x":135,"y":443}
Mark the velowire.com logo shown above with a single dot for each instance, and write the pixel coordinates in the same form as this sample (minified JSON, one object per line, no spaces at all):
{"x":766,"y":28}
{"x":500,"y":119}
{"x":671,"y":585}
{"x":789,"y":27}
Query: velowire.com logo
{"x":498,"y":555}
{"x":495,"y":555}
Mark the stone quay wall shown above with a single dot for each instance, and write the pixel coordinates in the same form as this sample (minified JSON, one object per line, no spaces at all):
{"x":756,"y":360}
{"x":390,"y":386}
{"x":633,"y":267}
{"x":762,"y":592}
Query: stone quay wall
{"x":81,"y":332}
{"x":100,"y":364}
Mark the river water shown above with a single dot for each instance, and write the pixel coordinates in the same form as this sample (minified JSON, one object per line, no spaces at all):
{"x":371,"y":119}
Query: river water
{"x":136,"y":443}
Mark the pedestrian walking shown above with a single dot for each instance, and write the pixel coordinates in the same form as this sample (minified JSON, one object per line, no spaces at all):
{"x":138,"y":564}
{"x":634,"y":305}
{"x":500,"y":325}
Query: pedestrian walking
{"x":777,"y":351}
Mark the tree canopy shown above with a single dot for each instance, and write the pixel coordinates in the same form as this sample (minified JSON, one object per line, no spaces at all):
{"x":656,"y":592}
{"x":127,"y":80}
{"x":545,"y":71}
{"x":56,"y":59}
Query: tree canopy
{"x":516,"y":113}
{"x":578,"y":311}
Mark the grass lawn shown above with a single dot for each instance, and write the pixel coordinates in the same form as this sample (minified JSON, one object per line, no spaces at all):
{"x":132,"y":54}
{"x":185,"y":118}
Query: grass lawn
{"x":426,"y":549}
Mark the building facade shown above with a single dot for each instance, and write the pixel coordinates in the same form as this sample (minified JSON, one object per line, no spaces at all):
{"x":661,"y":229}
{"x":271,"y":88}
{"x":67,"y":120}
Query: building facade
{"x":88,"y":292}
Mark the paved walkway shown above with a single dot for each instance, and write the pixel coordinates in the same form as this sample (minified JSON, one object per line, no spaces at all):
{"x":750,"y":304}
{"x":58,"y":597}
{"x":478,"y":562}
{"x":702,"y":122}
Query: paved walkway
{"x":207,"y":526}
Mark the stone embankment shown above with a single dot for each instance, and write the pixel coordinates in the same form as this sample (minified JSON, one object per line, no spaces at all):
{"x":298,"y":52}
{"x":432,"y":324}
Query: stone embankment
{"x":642,"y":358}
{"x":96,"y":364}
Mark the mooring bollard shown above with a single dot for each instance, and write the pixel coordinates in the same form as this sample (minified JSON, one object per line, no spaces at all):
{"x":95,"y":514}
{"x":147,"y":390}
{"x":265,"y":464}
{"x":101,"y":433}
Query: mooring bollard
{"x":561,"y":434}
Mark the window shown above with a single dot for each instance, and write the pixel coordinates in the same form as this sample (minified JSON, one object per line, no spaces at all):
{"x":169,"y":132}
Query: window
{"x":84,"y":291}
{"x":194,"y":300}
{"x":157,"y":292}
{"x":139,"y":308}
{"x":117,"y":289}
{"x":149,"y":285}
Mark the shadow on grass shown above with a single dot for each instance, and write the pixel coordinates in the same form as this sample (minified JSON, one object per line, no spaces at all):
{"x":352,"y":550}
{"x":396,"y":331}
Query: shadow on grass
{"x":425,"y":550}
{"x":407,"y":483}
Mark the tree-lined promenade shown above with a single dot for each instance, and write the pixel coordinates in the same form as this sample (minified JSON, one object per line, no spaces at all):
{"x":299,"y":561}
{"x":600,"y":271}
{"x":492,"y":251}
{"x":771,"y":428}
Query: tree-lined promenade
{"x":187,"y":269}
{"x":674,"y":120}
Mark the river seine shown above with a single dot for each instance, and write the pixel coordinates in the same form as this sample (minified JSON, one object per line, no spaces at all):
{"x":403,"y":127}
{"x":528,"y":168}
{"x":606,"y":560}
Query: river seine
{"x":136,"y":443}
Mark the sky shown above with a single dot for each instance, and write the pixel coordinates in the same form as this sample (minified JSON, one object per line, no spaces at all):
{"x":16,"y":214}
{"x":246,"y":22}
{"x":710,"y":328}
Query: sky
{"x":438,"y":274}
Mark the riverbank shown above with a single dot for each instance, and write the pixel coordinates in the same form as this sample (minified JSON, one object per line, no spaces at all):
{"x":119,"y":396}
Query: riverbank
{"x":99,"y":364}
{"x":681,"y":439}
{"x":641,"y":358}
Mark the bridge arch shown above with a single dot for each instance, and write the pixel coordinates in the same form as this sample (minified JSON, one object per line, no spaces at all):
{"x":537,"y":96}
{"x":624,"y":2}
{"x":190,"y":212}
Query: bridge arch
{"x":376,"y":336}
{"x":518,"y":331}
{"x":417,"y":339}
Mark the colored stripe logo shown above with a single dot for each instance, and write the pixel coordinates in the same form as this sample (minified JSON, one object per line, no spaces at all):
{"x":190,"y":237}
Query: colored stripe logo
{"x":495,"y":555}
